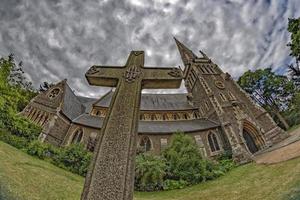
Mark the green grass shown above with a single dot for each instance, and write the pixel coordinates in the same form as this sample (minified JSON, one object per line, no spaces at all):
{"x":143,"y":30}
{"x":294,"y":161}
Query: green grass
{"x":27,"y":178}
{"x":293,"y":128}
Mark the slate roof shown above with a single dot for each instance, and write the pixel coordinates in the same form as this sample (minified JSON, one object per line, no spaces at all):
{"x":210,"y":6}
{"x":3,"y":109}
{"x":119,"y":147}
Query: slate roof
{"x":89,"y":120}
{"x":155,"y":101}
{"x":87,"y":103}
{"x":77,"y":109}
{"x":154,"y":127}
{"x":71,"y":107}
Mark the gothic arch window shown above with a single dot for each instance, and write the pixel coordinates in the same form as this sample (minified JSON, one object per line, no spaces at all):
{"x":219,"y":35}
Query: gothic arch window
{"x":54,"y":93}
{"x":77,"y":136}
{"x":175,"y":117}
{"x":231,"y":96}
{"x":223,"y":97}
{"x":202,"y":70}
{"x":185,"y":115}
{"x":207,"y":106}
{"x":213,"y":142}
{"x":145,"y":143}
{"x":164,"y":116}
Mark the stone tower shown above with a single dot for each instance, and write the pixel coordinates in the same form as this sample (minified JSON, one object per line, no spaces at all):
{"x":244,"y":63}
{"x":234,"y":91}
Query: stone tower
{"x":246,"y":127}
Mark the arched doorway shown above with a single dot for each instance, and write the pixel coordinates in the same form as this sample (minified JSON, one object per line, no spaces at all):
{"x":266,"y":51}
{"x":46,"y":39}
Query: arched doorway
{"x":250,"y":142}
{"x":253,"y":138}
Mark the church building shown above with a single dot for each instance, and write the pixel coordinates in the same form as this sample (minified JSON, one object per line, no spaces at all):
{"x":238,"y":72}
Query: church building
{"x":215,"y":111}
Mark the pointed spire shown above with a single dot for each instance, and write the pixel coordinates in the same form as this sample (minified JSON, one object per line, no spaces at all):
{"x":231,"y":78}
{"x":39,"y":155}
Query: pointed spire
{"x":186,"y":54}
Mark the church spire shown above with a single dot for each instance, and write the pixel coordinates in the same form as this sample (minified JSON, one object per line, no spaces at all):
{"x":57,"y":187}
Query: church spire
{"x":186,"y":54}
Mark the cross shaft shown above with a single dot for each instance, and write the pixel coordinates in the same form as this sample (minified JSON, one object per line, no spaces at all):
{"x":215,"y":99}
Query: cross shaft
{"x":111,"y":174}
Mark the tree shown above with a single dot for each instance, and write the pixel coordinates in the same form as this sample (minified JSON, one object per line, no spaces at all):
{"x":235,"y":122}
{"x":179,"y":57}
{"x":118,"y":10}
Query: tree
{"x":149,"y":172}
{"x":184,"y":161}
{"x":16,"y":76}
{"x":45,"y":86}
{"x":294,"y":44}
{"x":271,"y":91}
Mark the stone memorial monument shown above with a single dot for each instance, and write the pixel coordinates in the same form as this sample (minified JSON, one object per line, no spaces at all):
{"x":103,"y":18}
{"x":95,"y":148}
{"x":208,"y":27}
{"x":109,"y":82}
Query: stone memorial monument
{"x":111,"y":174}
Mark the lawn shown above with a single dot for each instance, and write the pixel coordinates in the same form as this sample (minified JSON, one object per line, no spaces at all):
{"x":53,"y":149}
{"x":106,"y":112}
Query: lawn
{"x":27,"y":178}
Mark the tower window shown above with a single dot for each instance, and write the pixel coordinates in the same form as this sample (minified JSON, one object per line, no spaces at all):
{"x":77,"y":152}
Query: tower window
{"x":213,"y":142}
{"x":207,"y":106}
{"x":223,"y":97}
{"x":231,"y":96}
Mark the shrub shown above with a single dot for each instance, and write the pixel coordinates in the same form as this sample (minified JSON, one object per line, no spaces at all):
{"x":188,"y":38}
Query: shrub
{"x":184,"y":160}
{"x":41,"y":150}
{"x":174,"y":184}
{"x":13,"y":140}
{"x":73,"y":158}
{"x":149,"y":172}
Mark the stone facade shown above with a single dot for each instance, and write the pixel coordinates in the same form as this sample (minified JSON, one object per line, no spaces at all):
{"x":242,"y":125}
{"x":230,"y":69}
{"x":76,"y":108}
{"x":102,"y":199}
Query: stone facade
{"x":216,"y":112}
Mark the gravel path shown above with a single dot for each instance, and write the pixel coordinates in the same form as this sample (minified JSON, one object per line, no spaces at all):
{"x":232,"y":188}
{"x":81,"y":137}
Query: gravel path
{"x":285,"y":150}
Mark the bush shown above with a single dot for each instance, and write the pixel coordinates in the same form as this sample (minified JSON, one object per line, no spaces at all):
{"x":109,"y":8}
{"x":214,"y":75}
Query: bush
{"x":42,"y":150}
{"x":13,"y":140}
{"x":174,"y":184}
{"x":73,"y":158}
{"x":184,"y":160}
{"x":149,"y":172}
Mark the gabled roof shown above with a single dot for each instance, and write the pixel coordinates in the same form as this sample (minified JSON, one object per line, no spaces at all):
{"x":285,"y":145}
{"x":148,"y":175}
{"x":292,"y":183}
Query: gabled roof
{"x":154,"y":127}
{"x":154,"y":101}
{"x":71,"y":106}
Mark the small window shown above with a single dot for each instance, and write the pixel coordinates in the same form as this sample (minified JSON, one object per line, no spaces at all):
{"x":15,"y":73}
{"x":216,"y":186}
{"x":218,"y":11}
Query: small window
{"x":223,"y":97}
{"x":231,"y":96}
{"x":163,"y":143}
{"x":207,"y":106}
{"x":145,"y":144}
{"x":213,"y":142}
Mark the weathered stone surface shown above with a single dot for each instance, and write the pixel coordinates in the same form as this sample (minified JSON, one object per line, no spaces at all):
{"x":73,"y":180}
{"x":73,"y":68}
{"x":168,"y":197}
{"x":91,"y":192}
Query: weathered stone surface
{"x":111,"y":176}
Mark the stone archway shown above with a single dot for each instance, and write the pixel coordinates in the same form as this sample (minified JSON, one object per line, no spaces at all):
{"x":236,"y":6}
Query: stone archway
{"x":252,"y":137}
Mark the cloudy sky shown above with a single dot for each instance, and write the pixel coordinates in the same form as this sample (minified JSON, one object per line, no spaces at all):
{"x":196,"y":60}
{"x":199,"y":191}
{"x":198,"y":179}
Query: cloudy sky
{"x":59,"y":39}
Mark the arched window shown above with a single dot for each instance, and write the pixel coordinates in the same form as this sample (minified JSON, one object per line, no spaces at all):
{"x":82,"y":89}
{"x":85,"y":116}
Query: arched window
{"x":213,"y":142}
{"x":77,"y":136}
{"x":223,"y":97}
{"x":231,"y":96}
{"x":145,"y":144}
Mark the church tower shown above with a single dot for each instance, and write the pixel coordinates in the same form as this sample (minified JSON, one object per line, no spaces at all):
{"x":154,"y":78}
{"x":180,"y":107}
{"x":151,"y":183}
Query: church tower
{"x":246,"y":127}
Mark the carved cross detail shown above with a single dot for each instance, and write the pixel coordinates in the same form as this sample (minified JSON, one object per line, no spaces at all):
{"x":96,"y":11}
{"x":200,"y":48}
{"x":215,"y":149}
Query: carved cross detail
{"x":111,"y":175}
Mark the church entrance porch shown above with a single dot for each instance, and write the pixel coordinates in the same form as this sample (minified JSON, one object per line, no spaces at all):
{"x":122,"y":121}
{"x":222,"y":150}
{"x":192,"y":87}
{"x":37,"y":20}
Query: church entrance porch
{"x":252,"y":147}
{"x":252,"y":138}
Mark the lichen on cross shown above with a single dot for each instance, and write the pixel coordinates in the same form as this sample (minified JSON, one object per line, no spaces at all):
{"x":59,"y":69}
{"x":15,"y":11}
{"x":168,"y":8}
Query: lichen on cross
{"x":111,"y":174}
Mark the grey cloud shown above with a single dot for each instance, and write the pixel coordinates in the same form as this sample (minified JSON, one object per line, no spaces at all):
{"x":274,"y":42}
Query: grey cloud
{"x":63,"y":38}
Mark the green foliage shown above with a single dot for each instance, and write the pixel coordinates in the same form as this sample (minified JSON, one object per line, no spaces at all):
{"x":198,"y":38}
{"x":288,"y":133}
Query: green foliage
{"x":13,"y":140}
{"x":292,"y":114}
{"x":73,"y":158}
{"x":184,"y":160}
{"x":13,"y":99}
{"x":174,"y":184}
{"x":271,"y":91}
{"x":294,"y":29}
{"x":42,"y":150}
{"x":294,"y":68}
{"x":149,"y":172}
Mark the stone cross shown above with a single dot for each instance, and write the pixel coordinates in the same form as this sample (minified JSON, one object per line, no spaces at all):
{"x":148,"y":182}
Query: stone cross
{"x":111,"y":174}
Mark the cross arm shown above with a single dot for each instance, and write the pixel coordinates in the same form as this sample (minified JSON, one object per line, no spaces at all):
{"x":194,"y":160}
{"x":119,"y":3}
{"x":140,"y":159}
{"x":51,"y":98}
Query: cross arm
{"x":104,"y":75}
{"x":162,"y":77}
